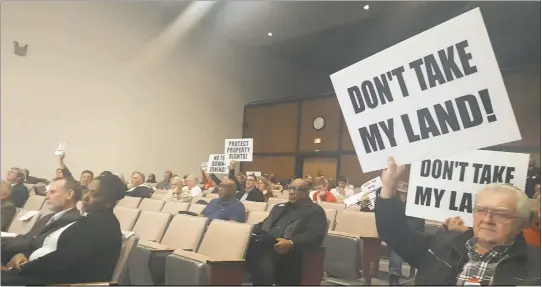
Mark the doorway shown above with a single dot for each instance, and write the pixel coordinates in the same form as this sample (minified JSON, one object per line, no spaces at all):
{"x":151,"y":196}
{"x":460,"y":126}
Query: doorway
{"x":320,"y":166}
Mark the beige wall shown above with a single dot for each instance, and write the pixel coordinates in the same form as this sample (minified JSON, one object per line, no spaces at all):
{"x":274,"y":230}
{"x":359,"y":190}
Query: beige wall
{"x":82,"y":83}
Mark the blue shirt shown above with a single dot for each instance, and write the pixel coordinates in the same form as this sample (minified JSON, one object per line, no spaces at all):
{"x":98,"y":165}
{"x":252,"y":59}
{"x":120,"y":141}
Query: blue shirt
{"x":220,"y":208}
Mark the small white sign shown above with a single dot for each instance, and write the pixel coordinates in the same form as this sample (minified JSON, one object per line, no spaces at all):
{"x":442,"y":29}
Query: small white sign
{"x":367,"y":189}
{"x":28,"y":215}
{"x":447,"y":186}
{"x":256,"y":173}
{"x":60,"y":149}
{"x":238,"y":149}
{"x":440,"y":92}
{"x":203,"y":165}
{"x":217,"y":164}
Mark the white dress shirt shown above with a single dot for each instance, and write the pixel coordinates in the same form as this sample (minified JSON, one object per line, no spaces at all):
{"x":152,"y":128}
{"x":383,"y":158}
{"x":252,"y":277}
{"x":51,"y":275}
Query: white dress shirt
{"x":196,"y":191}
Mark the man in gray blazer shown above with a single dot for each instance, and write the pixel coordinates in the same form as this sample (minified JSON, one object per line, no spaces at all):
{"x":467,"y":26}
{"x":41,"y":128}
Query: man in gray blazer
{"x":62,"y":197}
{"x":8,"y":209}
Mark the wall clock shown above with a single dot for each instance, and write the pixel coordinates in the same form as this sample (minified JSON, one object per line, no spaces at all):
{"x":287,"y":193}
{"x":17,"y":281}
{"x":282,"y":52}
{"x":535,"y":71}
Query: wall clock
{"x":318,"y":123}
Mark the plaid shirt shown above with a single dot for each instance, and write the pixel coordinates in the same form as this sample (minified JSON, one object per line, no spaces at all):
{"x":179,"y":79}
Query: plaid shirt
{"x":481,"y":267}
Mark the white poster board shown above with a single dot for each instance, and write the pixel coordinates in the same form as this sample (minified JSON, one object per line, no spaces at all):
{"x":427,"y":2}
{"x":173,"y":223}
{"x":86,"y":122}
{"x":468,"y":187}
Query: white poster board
{"x":440,"y":92}
{"x":447,"y":186}
{"x":217,"y":164}
{"x":238,"y":149}
{"x":367,"y":189}
{"x":60,"y":149}
{"x":203,"y":165}
{"x":256,"y":173}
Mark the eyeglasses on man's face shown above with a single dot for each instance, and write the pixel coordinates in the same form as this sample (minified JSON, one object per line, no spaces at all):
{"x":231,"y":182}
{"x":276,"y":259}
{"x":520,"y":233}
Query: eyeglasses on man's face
{"x":496,"y":214}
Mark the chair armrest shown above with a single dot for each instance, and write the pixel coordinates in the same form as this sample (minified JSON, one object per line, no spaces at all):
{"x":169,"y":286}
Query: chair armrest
{"x":343,"y":234}
{"x":221,"y":263}
{"x":192,"y":255}
{"x":111,"y":283}
{"x":155,"y":246}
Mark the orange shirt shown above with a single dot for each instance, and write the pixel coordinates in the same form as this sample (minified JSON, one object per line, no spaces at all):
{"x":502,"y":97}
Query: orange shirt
{"x":328,"y":197}
{"x":532,"y":234}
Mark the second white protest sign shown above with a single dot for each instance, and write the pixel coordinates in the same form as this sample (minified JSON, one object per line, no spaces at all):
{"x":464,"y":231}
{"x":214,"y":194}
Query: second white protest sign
{"x":238,"y":149}
{"x":439,"y":92}
{"x":447,"y":186}
{"x":217,"y":164}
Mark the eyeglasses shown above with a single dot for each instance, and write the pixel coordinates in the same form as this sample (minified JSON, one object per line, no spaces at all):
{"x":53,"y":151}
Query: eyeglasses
{"x":498,"y":215}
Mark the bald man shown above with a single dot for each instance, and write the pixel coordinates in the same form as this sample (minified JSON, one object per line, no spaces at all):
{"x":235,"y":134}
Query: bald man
{"x":226,"y":206}
{"x":274,"y":255}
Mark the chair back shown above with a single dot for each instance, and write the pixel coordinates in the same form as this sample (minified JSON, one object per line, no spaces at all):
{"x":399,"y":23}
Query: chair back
{"x":22,"y":227}
{"x":255,"y":217}
{"x":129,"y":201}
{"x":151,"y":225}
{"x":184,"y":232}
{"x":196,"y":208}
{"x":358,"y":223}
{"x":127,"y":247}
{"x":34,"y":202}
{"x":151,"y":204}
{"x":173,"y":207}
{"x":255,"y":206}
{"x":274,"y":201}
{"x":214,"y":246}
{"x":127,"y":217}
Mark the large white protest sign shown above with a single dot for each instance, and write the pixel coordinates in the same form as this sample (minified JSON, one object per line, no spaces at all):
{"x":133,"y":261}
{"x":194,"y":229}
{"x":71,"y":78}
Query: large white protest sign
{"x":217,"y":164}
{"x":60,"y":149}
{"x":447,"y":186}
{"x":440,"y":92}
{"x":238,"y":149}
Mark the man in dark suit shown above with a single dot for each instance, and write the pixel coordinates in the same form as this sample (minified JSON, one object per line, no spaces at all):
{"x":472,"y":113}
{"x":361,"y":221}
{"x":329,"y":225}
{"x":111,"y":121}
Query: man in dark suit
{"x":8,"y":209}
{"x":275,"y":251}
{"x":61,"y":198}
{"x":19,"y":191}
{"x":248,"y":191}
{"x":139,"y":189}
{"x":32,"y":179}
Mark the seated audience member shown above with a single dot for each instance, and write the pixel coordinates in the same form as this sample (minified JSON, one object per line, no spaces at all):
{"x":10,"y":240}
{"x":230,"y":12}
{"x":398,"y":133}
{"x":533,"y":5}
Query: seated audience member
{"x":191,"y":183}
{"x":61,"y":199}
{"x":176,"y":193}
{"x":19,"y":191}
{"x":533,"y":178}
{"x":166,"y":183}
{"x":59,"y":173}
{"x":342,"y":191}
{"x":85,"y":178}
{"x":323,"y":194}
{"x":226,"y":206}
{"x":242,"y":179}
{"x":494,"y":252}
{"x":8,"y":209}
{"x":32,"y":179}
{"x":138,"y":189}
{"x":152,"y":178}
{"x":532,"y":233}
{"x":275,"y":250}
{"x":265,"y":187}
{"x":251,"y":192}
{"x":84,"y":251}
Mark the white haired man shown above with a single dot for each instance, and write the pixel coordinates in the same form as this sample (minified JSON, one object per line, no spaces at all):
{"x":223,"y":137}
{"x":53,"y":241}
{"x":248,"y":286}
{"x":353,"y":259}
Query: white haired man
{"x":191,"y":182}
{"x":494,"y":252}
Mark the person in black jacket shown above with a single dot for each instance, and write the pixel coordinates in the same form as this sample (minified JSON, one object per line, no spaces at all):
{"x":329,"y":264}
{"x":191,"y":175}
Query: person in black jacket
{"x":19,"y":191}
{"x":533,"y":178}
{"x":249,"y":192}
{"x":87,"y":250}
{"x":32,"y":179}
{"x":494,"y":252}
{"x":275,"y":250}
{"x":139,"y":189}
{"x":61,"y":199}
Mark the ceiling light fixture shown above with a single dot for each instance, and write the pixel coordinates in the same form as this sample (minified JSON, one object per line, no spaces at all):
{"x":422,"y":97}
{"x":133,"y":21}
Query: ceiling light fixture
{"x":269,"y":34}
{"x":366,"y":7}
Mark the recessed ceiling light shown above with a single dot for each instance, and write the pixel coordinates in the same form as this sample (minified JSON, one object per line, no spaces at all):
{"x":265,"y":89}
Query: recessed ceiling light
{"x":269,"y":34}
{"x":366,"y":7}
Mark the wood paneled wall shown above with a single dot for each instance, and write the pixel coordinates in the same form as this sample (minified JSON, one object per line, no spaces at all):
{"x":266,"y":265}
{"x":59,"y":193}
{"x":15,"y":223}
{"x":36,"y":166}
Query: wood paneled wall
{"x":277,"y":127}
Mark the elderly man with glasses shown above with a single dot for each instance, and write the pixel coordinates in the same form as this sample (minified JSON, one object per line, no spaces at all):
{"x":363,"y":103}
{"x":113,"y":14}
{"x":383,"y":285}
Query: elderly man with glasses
{"x":494,"y":252}
{"x":274,"y":255}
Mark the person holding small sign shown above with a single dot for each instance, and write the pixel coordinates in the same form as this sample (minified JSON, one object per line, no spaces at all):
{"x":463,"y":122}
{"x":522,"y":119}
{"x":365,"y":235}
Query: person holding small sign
{"x":494,"y":252}
{"x":342,"y":191}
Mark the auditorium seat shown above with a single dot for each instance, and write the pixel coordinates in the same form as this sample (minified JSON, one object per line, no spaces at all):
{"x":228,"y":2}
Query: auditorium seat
{"x":29,"y":186}
{"x":151,"y":204}
{"x":331,"y":215}
{"x":255,"y":217}
{"x":333,"y":205}
{"x":216,"y":262}
{"x":147,"y":265}
{"x":34,"y":202}
{"x":274,"y":201}
{"x":159,"y":196}
{"x":198,"y":198}
{"x":196,"y":208}
{"x":21,"y":227}
{"x":173,"y":207}
{"x":151,"y":225}
{"x":255,"y":206}
{"x":127,"y":217}
{"x":353,"y":246}
{"x":129,"y":201}
{"x":40,"y":189}
{"x":211,"y":195}
{"x":129,"y":241}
